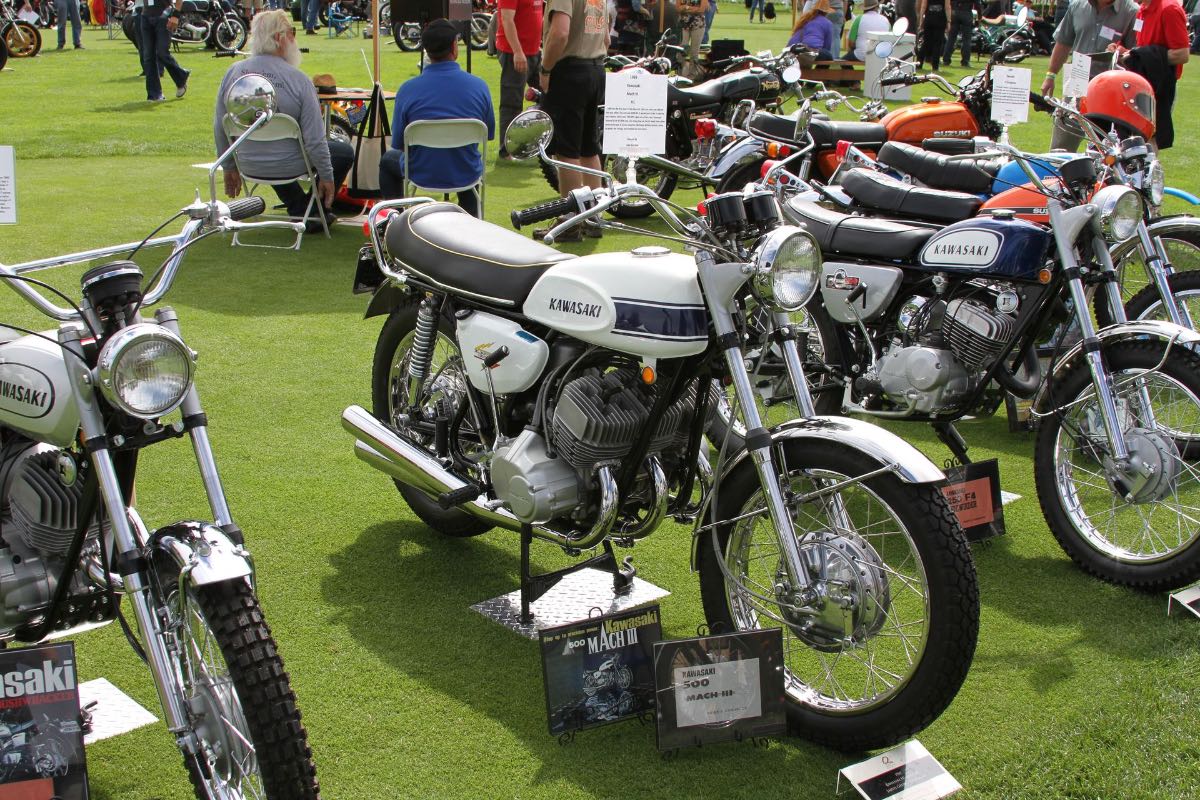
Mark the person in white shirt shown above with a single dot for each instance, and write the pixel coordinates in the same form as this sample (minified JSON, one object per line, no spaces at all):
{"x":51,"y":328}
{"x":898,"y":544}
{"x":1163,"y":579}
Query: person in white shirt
{"x":871,"y":21}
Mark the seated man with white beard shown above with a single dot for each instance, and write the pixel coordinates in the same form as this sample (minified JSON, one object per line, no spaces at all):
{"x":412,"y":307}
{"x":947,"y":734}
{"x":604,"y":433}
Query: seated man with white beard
{"x":276,"y":57}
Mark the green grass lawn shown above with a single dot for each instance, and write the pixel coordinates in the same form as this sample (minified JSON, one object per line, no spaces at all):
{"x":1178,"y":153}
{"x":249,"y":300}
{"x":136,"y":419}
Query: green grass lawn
{"x":1079,"y":690}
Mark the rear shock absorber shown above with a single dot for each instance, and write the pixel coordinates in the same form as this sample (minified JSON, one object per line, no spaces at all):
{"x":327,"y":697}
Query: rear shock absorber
{"x":422,"y":351}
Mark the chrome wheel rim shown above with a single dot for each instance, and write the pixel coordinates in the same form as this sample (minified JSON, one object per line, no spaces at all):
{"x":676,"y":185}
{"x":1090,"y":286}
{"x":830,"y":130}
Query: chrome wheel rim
{"x":1131,"y":267}
{"x":1153,"y":529}
{"x":867,"y":672}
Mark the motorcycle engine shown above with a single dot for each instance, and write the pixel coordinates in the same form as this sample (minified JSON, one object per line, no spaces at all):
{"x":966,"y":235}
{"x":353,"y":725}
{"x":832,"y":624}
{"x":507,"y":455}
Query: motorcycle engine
{"x":37,"y":525}
{"x":954,"y":342}
{"x":193,"y":27}
{"x":595,"y":423}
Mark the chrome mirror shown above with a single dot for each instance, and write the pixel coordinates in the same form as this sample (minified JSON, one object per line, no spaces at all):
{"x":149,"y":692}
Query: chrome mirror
{"x":527,"y":133}
{"x":250,"y":97}
{"x":900,"y":27}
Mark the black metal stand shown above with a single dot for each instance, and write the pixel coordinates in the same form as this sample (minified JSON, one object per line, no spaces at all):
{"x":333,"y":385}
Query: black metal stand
{"x":950,"y":437}
{"x":534,"y":586}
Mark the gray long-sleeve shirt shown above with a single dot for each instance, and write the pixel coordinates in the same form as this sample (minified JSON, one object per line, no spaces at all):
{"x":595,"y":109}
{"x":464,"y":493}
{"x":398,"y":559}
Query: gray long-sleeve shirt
{"x":295,"y":96}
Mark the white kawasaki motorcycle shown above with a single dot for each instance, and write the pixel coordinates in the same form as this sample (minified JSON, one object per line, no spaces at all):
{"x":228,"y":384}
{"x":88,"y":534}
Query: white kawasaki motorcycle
{"x":519,"y":387}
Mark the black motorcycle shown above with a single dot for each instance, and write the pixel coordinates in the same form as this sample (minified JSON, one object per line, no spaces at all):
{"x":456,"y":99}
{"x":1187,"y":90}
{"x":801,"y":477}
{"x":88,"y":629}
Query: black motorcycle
{"x":214,"y":23}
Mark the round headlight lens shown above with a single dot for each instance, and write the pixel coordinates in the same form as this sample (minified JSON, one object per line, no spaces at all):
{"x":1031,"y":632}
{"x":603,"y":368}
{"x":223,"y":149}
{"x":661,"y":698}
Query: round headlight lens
{"x":1120,"y":211}
{"x":787,"y":264}
{"x":145,"y":370}
{"x":1155,"y":183}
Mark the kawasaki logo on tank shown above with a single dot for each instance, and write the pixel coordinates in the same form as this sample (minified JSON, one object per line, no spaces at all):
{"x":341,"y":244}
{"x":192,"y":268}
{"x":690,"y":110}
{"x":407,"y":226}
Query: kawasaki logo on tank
{"x":574,"y":307}
{"x":972,"y":247}
{"x":25,"y":391}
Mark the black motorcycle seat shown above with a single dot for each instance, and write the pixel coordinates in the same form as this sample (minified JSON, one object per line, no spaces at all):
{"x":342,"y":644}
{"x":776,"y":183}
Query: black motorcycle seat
{"x":936,"y":169}
{"x":456,"y":251}
{"x":884,"y":193}
{"x":827,"y":132}
{"x":198,"y":6}
{"x":740,"y":85}
{"x":866,"y":237}
{"x":776,"y":127}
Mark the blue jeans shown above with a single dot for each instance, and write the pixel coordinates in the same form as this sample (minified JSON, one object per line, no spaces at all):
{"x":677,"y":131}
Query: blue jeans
{"x":838,"y":19}
{"x":310,"y":12}
{"x":759,"y":5}
{"x":708,"y":20}
{"x":65,"y":8}
{"x":391,"y":182}
{"x":156,"y":55}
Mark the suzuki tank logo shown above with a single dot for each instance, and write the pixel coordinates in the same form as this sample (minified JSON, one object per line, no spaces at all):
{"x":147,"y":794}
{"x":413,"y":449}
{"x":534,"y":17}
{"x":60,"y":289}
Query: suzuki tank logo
{"x":25,"y":391}
{"x":574,"y":307}
{"x":964,"y":248}
{"x":49,"y":678}
{"x":952,"y":134}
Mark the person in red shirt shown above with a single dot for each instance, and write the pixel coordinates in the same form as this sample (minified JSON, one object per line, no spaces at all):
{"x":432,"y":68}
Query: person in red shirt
{"x":1162,"y":50}
{"x":519,"y":42}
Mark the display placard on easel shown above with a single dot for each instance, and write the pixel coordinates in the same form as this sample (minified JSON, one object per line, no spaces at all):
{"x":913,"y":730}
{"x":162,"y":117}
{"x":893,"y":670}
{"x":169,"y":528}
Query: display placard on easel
{"x":1077,"y":74}
{"x":719,"y":688}
{"x":42,"y":747}
{"x":8,"y":186}
{"x":1187,"y":599}
{"x":907,"y":772}
{"x":635,"y":113}
{"x":600,"y":670}
{"x":973,"y":492}
{"x":1010,"y":94}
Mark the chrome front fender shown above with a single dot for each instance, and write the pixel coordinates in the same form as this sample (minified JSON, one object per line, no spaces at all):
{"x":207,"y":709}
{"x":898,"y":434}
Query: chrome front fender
{"x":743,"y":151}
{"x":1137,"y":329}
{"x":881,"y":446}
{"x":204,"y":553}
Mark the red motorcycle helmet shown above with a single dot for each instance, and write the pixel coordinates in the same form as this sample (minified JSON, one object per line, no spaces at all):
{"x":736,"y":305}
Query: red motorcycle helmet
{"x":1122,"y":98}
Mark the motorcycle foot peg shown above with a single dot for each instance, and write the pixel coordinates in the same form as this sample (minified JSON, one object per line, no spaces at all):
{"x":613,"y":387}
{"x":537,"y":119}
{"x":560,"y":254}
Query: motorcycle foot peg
{"x":457,"y":497}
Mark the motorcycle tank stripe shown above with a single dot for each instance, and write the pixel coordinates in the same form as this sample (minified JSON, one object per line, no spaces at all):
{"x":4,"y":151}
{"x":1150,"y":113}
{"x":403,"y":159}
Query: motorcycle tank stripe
{"x":660,"y":320}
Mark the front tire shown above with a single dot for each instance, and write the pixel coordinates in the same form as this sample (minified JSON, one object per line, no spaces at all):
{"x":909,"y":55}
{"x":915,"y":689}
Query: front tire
{"x":1152,"y":541}
{"x":239,"y":696}
{"x":22,"y":39}
{"x":660,"y":182}
{"x":1185,"y":288}
{"x":229,"y":34}
{"x":904,"y":573}
{"x":447,"y":382}
{"x":407,"y":36}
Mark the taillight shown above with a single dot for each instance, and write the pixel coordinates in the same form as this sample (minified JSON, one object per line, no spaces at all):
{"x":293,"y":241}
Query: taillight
{"x":777,"y":150}
{"x":766,"y":167}
{"x":843,"y":147}
{"x":706,"y":128}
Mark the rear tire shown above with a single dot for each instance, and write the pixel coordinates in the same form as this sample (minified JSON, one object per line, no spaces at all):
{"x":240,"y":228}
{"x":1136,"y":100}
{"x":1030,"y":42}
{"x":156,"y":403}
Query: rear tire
{"x":925,"y":622}
{"x":407,"y":36}
{"x":387,"y":387}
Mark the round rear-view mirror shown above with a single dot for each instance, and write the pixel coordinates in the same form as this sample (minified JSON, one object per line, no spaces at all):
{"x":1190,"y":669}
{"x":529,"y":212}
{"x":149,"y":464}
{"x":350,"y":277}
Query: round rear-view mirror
{"x":526,"y":134}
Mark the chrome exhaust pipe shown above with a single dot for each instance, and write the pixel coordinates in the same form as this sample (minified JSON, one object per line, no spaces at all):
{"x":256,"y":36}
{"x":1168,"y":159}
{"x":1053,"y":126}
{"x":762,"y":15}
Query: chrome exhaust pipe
{"x":392,"y":454}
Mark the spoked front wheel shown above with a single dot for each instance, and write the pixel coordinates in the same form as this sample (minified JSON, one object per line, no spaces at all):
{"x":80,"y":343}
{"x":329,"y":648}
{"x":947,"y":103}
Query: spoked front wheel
{"x":879,"y":642}
{"x":238,"y":696}
{"x":229,"y":34}
{"x":407,"y":36}
{"x":1133,"y":523}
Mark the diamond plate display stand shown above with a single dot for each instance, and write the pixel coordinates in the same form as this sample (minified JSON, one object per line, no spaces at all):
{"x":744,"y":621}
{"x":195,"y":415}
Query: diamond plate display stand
{"x":568,"y":595}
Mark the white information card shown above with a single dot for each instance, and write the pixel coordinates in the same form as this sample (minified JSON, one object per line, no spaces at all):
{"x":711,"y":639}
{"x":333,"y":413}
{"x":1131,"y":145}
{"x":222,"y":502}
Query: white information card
{"x":1010,"y":94}
{"x":8,"y":186}
{"x":1077,"y":75}
{"x":635,"y":113}
{"x":907,"y":772}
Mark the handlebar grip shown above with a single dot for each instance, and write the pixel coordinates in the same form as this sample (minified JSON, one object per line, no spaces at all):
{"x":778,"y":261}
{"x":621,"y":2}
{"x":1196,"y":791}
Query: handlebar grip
{"x":1039,"y":102}
{"x":555,"y":208}
{"x":894,"y":81}
{"x":246,"y":207}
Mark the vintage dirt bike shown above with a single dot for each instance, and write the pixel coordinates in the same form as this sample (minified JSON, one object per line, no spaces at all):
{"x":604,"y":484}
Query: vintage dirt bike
{"x":519,"y":387}
{"x":78,"y":406}
{"x":931,"y":322}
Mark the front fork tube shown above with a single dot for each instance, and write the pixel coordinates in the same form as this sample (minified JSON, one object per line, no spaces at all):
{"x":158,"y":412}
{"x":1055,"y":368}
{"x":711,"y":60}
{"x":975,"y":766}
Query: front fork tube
{"x":205,"y":460}
{"x":720,"y":286}
{"x":129,"y":547}
{"x":795,"y":365}
{"x":1159,"y":270}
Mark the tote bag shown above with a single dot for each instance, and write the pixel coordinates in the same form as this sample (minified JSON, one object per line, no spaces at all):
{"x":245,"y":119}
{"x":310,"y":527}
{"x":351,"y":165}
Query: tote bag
{"x":370,"y":141}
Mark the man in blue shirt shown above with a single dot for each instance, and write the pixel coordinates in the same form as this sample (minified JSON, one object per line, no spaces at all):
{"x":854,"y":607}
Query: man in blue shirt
{"x":441,"y":91}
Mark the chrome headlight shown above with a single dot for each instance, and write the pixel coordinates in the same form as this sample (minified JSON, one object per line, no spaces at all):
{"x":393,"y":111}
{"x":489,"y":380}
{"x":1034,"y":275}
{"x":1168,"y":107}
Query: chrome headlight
{"x":787,"y":265}
{"x":145,"y":370}
{"x":1154,"y":182}
{"x":1120,"y":211}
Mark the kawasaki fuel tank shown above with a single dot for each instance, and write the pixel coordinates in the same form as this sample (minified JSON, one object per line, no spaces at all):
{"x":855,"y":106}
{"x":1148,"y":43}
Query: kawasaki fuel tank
{"x":646,"y":302}
{"x":35,"y":396}
{"x":1010,"y":248}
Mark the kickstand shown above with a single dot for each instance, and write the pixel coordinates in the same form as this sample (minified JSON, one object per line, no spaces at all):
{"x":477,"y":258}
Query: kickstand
{"x":950,"y":437}
{"x":534,"y":586}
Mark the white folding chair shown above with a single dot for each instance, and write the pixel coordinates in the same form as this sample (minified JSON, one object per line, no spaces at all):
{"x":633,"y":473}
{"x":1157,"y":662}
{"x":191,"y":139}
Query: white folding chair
{"x":278,"y":128}
{"x":445,"y":133}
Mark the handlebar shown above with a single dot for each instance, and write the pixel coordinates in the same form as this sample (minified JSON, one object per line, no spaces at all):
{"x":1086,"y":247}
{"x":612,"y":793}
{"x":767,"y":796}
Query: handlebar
{"x":539,"y":213}
{"x":898,"y":81}
{"x":200,"y":216}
